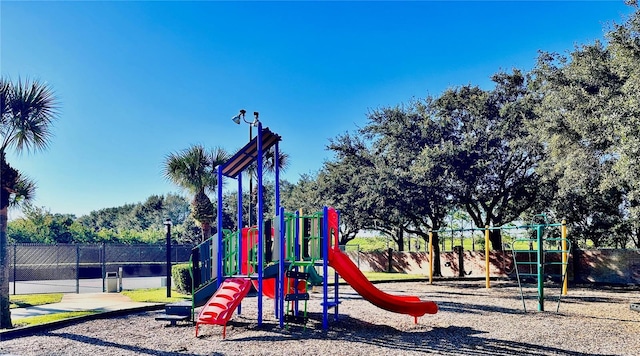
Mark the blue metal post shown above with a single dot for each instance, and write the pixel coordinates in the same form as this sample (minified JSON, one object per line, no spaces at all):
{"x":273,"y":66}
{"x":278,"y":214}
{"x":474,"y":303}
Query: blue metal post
{"x":335,"y":274}
{"x":239,"y":237}
{"x":220,"y":232}
{"x":325,"y":268}
{"x":240,"y":223}
{"x":259,"y":161}
{"x":280,"y":216}
{"x":281,"y":273}
{"x":277,"y":182}
{"x":297,"y":236}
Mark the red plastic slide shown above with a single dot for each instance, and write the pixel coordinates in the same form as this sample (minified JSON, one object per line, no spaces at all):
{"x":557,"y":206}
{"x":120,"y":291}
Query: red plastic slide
{"x":410,"y":305}
{"x":223,"y":303}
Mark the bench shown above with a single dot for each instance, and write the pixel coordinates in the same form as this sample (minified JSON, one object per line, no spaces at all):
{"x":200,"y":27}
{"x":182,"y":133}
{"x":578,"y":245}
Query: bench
{"x":174,"y":312}
{"x":173,"y":319}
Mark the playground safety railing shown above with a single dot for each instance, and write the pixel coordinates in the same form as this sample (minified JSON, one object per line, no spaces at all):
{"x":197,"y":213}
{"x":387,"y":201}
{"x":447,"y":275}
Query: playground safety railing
{"x":200,"y":262}
{"x":231,"y":253}
{"x":303,"y":236}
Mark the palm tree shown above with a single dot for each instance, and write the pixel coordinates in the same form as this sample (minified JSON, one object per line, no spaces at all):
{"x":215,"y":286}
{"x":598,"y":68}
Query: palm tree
{"x":28,"y":112}
{"x":193,"y":169}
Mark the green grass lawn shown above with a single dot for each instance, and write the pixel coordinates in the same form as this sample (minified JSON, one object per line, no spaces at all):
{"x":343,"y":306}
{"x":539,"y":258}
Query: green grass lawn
{"x":155,"y":295}
{"x":31,"y":300}
{"x":43,"y":319}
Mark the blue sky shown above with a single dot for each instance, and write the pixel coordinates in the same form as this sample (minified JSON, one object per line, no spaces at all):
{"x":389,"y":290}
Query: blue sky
{"x":138,"y":80}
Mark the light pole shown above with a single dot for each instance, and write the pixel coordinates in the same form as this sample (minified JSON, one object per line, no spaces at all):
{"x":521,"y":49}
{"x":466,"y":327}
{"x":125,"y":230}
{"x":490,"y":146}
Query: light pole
{"x":167,"y":224}
{"x":253,"y":123}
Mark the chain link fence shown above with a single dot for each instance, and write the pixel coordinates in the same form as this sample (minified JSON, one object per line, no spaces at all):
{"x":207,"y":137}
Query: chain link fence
{"x":72,"y":268}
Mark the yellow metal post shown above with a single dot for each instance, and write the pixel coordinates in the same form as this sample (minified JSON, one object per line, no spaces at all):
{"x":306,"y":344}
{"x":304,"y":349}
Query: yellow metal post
{"x":565,"y":257}
{"x":430,"y":257}
{"x":486,"y":257}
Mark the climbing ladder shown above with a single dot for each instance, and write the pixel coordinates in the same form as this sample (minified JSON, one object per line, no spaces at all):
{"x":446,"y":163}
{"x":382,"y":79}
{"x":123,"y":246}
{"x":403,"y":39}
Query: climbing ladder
{"x":294,"y":294}
{"x":546,"y":257}
{"x":302,"y":248}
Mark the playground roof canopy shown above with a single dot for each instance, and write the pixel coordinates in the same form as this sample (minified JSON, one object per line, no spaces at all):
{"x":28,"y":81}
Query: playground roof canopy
{"x":249,"y":153}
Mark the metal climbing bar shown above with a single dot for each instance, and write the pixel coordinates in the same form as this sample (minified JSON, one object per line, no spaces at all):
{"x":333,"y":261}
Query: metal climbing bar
{"x":543,"y":265}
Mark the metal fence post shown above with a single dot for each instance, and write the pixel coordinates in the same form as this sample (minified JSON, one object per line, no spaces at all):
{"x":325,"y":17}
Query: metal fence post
{"x":103,"y":253}
{"x":77,"y":269}
{"x":540,"y":265}
{"x":15,"y":262}
{"x":487,"y":257}
{"x":120,"y":272}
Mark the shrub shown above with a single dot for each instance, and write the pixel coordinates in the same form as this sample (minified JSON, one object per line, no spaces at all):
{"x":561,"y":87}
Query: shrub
{"x":181,"y":277}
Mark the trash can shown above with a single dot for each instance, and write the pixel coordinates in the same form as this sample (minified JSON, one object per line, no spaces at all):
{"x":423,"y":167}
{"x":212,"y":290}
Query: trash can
{"x":112,"y":282}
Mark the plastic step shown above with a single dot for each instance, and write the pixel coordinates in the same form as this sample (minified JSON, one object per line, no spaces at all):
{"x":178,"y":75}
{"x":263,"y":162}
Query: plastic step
{"x":179,"y":308}
{"x":296,"y":296}
{"x":173,"y":319}
{"x":297,"y":275}
{"x":296,"y":319}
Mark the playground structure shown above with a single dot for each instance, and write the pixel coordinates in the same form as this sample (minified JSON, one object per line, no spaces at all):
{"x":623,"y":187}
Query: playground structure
{"x":278,"y":257}
{"x":535,"y":257}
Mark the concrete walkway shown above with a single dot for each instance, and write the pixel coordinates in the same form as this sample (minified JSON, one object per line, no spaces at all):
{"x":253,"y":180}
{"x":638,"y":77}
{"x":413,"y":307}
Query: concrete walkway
{"x":101,"y":302}
{"x":106,"y":304}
